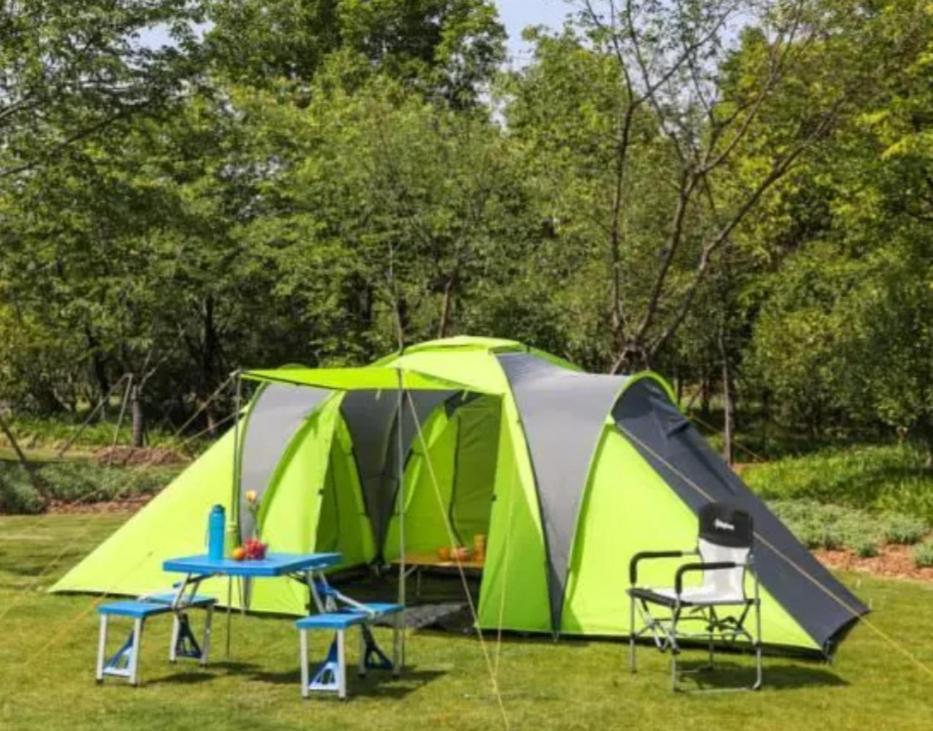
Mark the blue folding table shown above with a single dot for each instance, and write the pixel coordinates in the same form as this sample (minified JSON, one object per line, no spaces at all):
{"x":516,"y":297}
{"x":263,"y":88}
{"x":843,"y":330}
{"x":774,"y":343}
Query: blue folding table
{"x":302,"y":567}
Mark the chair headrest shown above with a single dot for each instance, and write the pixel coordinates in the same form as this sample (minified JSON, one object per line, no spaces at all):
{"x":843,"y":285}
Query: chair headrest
{"x":726,"y":525}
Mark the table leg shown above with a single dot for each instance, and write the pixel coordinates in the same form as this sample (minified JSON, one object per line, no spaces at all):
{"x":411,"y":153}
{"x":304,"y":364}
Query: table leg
{"x":229,"y":611}
{"x":101,"y":647}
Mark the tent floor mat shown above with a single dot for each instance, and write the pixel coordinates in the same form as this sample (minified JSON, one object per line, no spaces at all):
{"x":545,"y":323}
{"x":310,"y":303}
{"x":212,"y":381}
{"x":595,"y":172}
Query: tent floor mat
{"x":446,"y":616}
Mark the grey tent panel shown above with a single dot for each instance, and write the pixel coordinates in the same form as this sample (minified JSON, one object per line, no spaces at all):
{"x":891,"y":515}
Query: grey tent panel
{"x":277,"y":413}
{"x":562,"y":414}
{"x":371,"y":417}
{"x":675,"y":449}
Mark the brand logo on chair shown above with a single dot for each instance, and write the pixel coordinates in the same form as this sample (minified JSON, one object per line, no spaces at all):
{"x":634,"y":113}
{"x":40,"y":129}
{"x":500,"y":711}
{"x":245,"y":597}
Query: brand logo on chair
{"x":723,"y":525}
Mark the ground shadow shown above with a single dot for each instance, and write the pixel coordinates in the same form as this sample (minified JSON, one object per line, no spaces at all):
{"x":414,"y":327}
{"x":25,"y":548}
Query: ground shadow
{"x":202,"y":675}
{"x":376,"y":683}
{"x":190,"y":677}
{"x":727,"y":674}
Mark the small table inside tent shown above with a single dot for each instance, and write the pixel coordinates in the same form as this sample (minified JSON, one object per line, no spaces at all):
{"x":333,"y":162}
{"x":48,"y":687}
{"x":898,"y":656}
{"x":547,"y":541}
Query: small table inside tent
{"x":415,"y":563}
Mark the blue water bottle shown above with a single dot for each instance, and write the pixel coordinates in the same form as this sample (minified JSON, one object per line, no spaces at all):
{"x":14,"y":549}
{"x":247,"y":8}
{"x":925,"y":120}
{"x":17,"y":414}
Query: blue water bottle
{"x":216,"y":524}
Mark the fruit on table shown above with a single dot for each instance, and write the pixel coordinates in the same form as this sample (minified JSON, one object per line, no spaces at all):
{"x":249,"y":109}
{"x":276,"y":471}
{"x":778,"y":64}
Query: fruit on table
{"x":255,"y":549}
{"x":238,"y":553}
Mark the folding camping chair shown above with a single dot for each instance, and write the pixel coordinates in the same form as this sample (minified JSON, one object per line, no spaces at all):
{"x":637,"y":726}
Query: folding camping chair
{"x":725,"y":550}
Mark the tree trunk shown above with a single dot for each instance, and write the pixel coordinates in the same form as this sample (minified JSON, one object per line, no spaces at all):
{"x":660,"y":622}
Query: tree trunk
{"x":208,"y":358}
{"x":139,"y":423}
{"x":728,"y":417}
{"x":728,"y":400}
{"x":98,"y":366}
{"x":705,"y":388}
{"x":446,"y":306}
{"x":27,"y":466}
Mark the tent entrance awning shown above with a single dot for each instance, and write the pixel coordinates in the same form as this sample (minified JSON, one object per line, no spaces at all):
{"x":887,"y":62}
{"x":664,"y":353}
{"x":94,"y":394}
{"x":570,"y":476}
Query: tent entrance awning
{"x":363,"y":378}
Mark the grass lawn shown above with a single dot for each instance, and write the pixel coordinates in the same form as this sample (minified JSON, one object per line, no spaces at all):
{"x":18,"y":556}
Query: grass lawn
{"x":48,"y":645}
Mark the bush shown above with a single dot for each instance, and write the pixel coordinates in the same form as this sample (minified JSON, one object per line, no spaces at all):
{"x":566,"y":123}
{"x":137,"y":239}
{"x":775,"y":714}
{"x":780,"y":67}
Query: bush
{"x":818,"y":525}
{"x":78,"y":481}
{"x":903,"y":529}
{"x":18,"y":496}
{"x":923,"y":554}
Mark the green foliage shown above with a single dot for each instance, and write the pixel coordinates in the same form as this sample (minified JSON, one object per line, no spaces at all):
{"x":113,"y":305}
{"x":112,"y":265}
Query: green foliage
{"x":314,"y":180}
{"x":824,"y":525}
{"x":882,"y":478}
{"x":923,"y":554}
{"x":903,"y":529}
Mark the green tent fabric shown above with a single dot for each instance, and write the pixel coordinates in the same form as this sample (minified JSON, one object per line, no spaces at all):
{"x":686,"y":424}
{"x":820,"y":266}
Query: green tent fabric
{"x":564,"y":472}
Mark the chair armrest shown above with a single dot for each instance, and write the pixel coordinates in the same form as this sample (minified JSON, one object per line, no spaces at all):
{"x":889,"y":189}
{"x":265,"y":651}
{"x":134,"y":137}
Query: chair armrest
{"x":688,"y":567}
{"x":642,"y":555}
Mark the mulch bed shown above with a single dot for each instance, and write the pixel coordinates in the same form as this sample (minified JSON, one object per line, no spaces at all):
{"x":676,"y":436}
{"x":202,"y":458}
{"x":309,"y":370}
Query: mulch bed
{"x":895,"y":562}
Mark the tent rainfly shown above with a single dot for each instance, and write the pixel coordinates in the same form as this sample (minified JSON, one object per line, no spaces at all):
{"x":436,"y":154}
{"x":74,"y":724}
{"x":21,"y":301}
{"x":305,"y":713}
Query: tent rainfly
{"x":567,"y":473}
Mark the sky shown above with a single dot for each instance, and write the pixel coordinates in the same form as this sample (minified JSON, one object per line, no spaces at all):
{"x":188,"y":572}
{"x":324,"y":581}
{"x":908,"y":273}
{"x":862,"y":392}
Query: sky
{"x":518,"y":14}
{"x":514,"y":14}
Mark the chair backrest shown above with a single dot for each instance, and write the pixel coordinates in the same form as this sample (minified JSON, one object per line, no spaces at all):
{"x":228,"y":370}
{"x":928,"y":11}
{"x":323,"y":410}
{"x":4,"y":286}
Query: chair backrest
{"x":726,"y":534}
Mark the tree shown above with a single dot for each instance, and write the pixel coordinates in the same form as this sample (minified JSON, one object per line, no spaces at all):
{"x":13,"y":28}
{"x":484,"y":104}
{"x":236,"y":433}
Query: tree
{"x":643,"y":124}
{"x":69,"y":70}
{"x":845,"y":333}
{"x":446,"y":48}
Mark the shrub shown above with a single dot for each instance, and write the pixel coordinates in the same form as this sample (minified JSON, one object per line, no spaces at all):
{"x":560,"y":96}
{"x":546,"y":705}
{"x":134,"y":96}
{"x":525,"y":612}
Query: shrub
{"x":18,"y":496}
{"x":818,"y":525}
{"x":866,"y":548}
{"x":79,"y":481}
{"x":903,"y":529}
{"x":923,"y":554}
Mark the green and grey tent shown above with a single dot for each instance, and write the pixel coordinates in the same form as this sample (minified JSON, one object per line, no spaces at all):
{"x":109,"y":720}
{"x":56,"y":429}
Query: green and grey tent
{"x":569,"y":474}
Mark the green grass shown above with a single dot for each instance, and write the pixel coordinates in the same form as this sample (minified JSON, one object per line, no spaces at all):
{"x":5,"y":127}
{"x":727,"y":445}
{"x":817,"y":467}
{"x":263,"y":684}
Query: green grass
{"x":880,"y":478}
{"x":48,"y":434}
{"x":49,"y":641}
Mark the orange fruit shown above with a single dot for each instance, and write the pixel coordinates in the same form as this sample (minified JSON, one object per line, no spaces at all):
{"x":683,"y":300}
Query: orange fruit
{"x":239,"y":553}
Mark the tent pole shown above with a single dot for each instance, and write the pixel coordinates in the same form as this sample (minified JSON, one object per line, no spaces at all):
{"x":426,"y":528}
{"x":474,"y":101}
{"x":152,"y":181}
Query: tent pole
{"x":235,"y":493}
{"x":400,"y":476}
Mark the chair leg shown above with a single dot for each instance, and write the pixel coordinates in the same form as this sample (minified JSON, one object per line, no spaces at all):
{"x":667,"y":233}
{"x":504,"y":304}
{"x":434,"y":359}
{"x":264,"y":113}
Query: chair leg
{"x":631,"y":634}
{"x":675,"y":650}
{"x":341,"y":666}
{"x":303,"y":658}
{"x":759,"y":670}
{"x":101,"y":648}
{"x":208,"y":628}
{"x":138,"y":625}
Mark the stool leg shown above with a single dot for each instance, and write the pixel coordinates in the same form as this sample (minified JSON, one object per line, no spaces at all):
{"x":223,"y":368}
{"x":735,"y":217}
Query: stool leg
{"x":208,"y":625}
{"x":137,"y":646}
{"x":173,"y":643}
{"x":341,"y":666}
{"x":303,"y":652}
{"x":101,"y":648}
{"x":361,"y":670}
